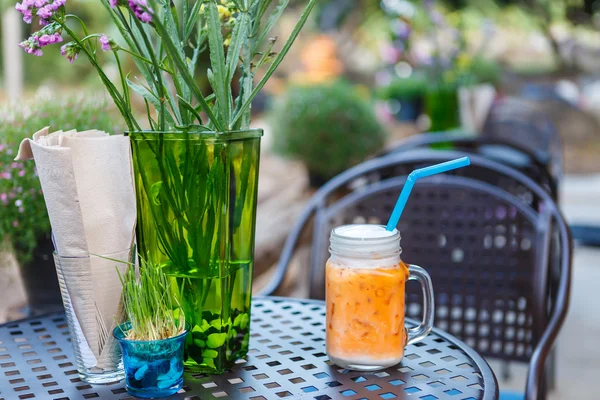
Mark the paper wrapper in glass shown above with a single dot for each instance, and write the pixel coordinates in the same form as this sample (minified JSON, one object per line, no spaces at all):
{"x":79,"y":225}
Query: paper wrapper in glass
{"x":88,"y":187}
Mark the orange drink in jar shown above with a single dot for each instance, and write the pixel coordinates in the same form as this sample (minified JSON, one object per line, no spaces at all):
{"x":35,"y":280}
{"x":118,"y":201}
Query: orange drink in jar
{"x":365,"y":290}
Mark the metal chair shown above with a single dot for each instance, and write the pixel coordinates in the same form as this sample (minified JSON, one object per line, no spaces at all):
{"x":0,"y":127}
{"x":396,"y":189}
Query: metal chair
{"x":361,"y":176}
{"x":522,"y":123}
{"x":496,"y":149}
{"x":487,"y":252}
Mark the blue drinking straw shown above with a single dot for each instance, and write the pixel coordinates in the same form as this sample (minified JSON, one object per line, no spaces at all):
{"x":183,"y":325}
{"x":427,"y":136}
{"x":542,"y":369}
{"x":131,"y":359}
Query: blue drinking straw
{"x":416,"y":175}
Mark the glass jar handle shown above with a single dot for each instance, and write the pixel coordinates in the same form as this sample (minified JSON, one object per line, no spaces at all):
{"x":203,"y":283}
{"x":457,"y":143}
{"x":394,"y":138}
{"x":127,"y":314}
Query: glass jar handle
{"x":419,"y":332}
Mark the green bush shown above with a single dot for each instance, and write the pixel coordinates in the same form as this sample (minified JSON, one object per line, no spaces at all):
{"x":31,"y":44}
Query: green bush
{"x":486,"y":71}
{"x":23,"y":216}
{"x":328,"y":127}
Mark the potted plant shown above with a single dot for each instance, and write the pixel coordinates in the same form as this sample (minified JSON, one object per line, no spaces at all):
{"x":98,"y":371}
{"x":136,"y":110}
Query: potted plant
{"x":152,"y":340}
{"x":195,"y":158}
{"x":24,"y":223}
{"x":329,"y":127}
{"x":408,"y":93}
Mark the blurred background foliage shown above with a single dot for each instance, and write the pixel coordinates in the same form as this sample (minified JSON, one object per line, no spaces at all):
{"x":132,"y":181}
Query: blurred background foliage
{"x":407,"y":58}
{"x":328,"y":126}
{"x":367,"y":22}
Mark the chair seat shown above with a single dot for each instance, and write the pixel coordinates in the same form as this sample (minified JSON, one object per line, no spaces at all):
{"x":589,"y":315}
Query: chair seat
{"x":507,"y":395}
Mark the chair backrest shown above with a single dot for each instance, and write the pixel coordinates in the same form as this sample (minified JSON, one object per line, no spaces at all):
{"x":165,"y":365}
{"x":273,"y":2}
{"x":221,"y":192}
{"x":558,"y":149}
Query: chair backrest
{"x":522,"y":122}
{"x":401,"y":164}
{"x":497,"y":149}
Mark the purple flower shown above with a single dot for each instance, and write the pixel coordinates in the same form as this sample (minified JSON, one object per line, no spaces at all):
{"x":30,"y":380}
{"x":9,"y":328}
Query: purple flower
{"x":45,"y":39}
{"x":141,"y":10}
{"x":70,"y":51}
{"x":31,"y":46}
{"x":58,"y":4}
{"x":105,"y":42}
{"x":45,"y":12}
{"x":45,"y":9}
{"x":22,"y":173}
{"x":48,"y":35}
{"x":113,"y":3}
{"x":15,"y":223}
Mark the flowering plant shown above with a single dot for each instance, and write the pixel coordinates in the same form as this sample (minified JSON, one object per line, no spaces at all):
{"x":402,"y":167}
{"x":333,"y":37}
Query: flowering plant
{"x":425,"y":40}
{"x":165,"y":40}
{"x":23,"y":217}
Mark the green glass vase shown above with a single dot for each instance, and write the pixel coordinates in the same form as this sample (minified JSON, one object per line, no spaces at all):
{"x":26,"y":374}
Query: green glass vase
{"x":196,"y":195}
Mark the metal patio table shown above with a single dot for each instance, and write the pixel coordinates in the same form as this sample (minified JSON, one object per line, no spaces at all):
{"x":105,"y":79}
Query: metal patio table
{"x":286,"y":360}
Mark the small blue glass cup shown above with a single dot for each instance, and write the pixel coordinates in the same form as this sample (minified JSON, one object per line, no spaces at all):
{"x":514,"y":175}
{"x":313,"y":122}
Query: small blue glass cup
{"x":154,"y":368}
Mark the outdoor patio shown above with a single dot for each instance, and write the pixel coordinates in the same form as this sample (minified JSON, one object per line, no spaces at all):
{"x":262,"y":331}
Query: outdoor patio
{"x":227,"y":199}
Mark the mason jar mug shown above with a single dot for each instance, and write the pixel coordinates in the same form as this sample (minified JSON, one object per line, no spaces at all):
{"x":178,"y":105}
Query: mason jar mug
{"x":365,"y":289}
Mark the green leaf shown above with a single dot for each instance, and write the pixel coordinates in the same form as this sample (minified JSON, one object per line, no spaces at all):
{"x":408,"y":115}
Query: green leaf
{"x":193,"y":128}
{"x":241,"y":31}
{"x":190,"y":108}
{"x":170,"y":21}
{"x":205,"y":325}
{"x":217,"y":62}
{"x":215,"y":340}
{"x":271,"y":21}
{"x":185,"y":73}
{"x":191,"y":22}
{"x":155,"y":190}
{"x":151,"y":97}
{"x":261,"y":7}
{"x":210,"y":353}
{"x":244,"y":322}
{"x":153,"y":124}
{"x":186,"y":10}
{"x":216,"y":323}
{"x":209,"y":362}
{"x":286,"y":48}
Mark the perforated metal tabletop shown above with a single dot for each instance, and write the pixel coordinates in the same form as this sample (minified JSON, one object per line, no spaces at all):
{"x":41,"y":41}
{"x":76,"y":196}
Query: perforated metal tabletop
{"x":286,"y":360}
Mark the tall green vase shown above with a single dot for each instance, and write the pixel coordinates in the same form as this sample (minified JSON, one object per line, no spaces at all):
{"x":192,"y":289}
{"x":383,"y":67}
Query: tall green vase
{"x":196,"y":196}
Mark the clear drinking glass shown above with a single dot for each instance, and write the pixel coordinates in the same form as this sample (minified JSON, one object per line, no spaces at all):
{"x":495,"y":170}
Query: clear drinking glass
{"x":91,"y":294}
{"x":365,"y":287}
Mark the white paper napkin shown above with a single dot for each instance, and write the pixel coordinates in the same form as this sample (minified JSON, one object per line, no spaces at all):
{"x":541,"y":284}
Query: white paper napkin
{"x":87,"y":180}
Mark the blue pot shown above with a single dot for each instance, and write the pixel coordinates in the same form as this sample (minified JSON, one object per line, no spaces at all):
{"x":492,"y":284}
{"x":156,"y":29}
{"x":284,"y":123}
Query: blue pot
{"x":410,"y":108}
{"x":154,"y":368}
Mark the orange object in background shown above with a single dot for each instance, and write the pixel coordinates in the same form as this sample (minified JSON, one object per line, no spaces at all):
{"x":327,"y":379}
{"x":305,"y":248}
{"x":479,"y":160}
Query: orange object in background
{"x":320,"y":62}
{"x":366,"y":309}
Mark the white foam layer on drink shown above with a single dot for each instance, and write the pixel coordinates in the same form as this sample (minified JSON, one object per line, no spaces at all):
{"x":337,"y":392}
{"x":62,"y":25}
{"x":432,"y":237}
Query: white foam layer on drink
{"x":365,"y":231}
